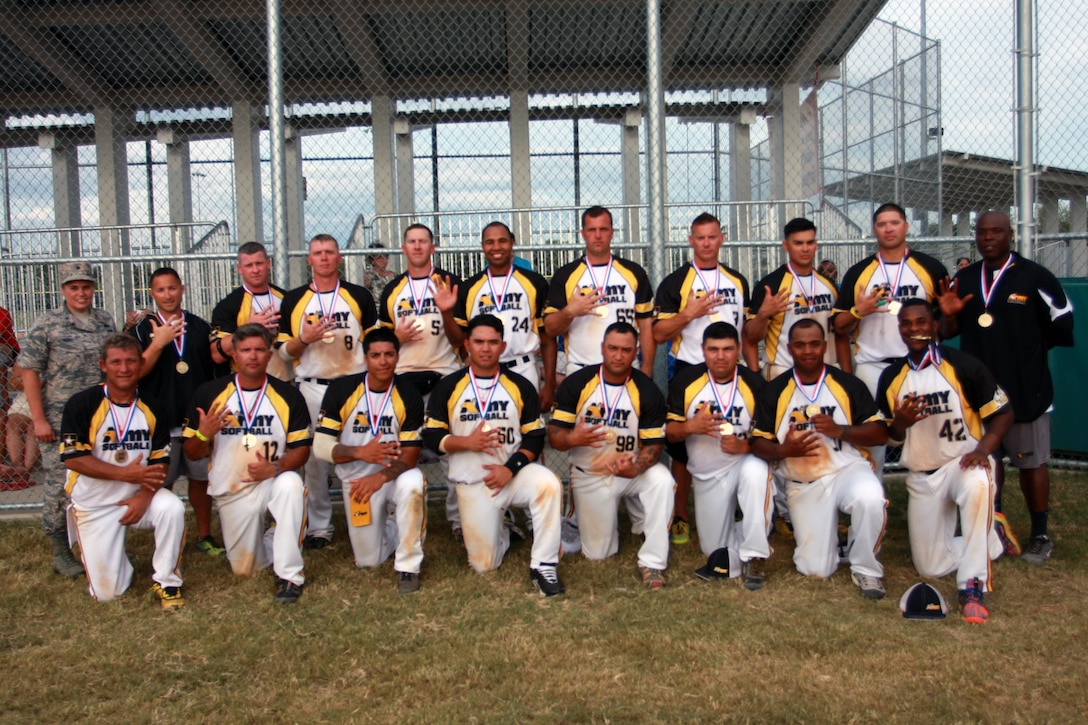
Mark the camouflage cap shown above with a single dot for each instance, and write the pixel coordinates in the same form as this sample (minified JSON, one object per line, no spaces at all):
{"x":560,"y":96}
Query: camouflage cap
{"x":76,"y":272}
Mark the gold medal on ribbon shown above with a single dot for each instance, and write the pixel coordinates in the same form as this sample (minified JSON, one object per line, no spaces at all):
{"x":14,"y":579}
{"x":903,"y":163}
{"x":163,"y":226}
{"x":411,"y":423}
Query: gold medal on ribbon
{"x":121,"y":455}
{"x":601,"y":311}
{"x":726,"y":428}
{"x":812,"y":410}
{"x":894,"y":306}
{"x":985,"y":319}
{"x":182,"y":367}
{"x":249,"y":440}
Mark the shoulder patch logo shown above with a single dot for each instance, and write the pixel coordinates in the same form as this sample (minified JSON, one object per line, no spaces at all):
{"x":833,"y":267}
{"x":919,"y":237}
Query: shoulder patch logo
{"x":1018,"y":299}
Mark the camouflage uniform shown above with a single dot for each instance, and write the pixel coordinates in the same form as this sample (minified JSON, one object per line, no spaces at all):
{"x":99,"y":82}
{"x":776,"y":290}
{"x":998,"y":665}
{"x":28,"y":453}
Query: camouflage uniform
{"x":64,"y":351}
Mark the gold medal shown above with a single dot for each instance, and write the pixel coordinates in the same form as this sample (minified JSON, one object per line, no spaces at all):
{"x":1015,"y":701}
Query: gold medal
{"x":418,"y":325}
{"x":182,"y":367}
{"x":328,"y":338}
{"x":812,"y":410}
{"x":249,"y":440}
{"x":985,"y":319}
{"x":601,"y":311}
{"x":487,"y":428}
{"x":894,"y":306}
{"x":726,"y":428}
{"x":610,"y":436}
{"x":716,"y":317}
{"x":121,"y":455}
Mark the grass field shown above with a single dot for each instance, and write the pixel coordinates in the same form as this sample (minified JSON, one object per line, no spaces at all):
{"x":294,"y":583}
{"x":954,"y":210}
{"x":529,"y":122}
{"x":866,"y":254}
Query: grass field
{"x":473,"y":648}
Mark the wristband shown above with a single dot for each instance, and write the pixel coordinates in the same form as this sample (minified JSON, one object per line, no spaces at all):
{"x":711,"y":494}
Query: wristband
{"x":219,"y":346}
{"x":855,"y":313}
{"x":517,"y":462}
{"x":202,"y":437}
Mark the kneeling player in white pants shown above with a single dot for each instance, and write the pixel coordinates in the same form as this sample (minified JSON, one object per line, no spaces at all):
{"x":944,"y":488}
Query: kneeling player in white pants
{"x":242,"y":517}
{"x":951,"y":416}
{"x":596,"y":498}
{"x":101,"y":532}
{"x":257,"y":431}
{"x":815,"y":507}
{"x":115,"y":446}
{"x":487,"y":538}
{"x":747,"y":484}
{"x":938,"y":501}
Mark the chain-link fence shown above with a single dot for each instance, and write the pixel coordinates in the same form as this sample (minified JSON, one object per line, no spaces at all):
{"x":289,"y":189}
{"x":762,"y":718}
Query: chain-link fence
{"x":137,"y":133}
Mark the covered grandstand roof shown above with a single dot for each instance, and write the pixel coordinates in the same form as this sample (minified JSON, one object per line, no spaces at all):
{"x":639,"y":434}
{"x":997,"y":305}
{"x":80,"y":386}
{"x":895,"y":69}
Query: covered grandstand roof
{"x":68,"y":56}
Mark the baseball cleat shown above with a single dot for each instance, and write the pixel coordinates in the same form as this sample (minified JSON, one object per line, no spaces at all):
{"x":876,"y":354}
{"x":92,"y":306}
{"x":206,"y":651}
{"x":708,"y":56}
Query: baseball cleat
{"x":652,"y":579}
{"x":679,"y":532}
{"x":313,"y":543}
{"x":546,"y":579}
{"x":753,"y":574}
{"x":207,"y":545}
{"x":407,"y":582}
{"x":169,"y":597}
{"x":1039,"y":550}
{"x":288,"y":592}
{"x":1004,"y":532}
{"x":971,"y":604}
{"x":872,"y":587}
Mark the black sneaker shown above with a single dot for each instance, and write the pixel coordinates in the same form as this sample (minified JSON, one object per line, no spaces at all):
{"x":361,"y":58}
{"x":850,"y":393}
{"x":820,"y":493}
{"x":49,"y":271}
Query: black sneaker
{"x":547,"y":580}
{"x":508,"y":520}
{"x":1039,"y":550}
{"x":313,"y":543}
{"x":753,"y":573}
{"x":407,"y":582}
{"x":288,"y":592}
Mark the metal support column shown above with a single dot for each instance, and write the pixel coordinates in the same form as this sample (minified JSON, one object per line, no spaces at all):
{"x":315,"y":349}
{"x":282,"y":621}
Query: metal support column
{"x":1025,"y":127}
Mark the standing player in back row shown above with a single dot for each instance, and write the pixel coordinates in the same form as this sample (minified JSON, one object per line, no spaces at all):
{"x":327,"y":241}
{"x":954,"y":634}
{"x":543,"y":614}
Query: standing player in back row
{"x":872,"y":293}
{"x":517,"y":297}
{"x":590,"y":293}
{"x":688,"y":301}
{"x":325,"y":322}
{"x":256,"y":300}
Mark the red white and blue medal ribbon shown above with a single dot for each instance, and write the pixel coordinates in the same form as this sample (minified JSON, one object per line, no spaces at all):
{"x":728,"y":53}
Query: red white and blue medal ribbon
{"x":497,"y":299}
{"x":417,"y":302}
{"x":179,"y":341}
{"x":327,"y":314}
{"x":610,"y":407}
{"x":601,"y":288}
{"x":249,"y":415}
{"x":254,"y":302}
{"x":717,"y":279}
{"x":374,"y":419}
{"x":121,"y":430}
{"x":987,"y":289}
{"x":482,"y":405}
{"x":724,"y":408}
{"x":819,"y":386}
{"x":893,"y":287}
{"x":932,"y":357}
{"x":809,"y":296}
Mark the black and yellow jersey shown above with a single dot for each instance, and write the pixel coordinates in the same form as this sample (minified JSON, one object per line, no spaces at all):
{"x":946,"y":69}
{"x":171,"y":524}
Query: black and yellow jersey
{"x":633,"y":414}
{"x":279,"y":420}
{"x":672,"y":299}
{"x":407,"y":299}
{"x":811,"y":295}
{"x":235,"y":309}
{"x":520,"y":296}
{"x":506,"y":402}
{"x":782,"y":405}
{"x":878,"y":334}
{"x":692,"y":389}
{"x":89,"y":428}
{"x":353,"y":309}
{"x":960,"y":394}
{"x":627,"y":296}
{"x":355,"y":416}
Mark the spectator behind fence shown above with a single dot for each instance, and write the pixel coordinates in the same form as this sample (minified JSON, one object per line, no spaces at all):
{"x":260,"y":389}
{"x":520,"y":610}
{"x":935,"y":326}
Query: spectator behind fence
{"x":20,"y":445}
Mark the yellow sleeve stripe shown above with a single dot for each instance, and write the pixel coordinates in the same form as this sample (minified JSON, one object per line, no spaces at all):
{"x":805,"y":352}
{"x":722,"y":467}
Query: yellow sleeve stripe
{"x":410,"y":436}
{"x":298,"y":314}
{"x":674,"y":418}
{"x":651,"y":433}
{"x":563,"y":416}
{"x":435,"y":424}
{"x":782,"y":408}
{"x":923,"y":276}
{"x":537,"y":424}
{"x":298,"y":435}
